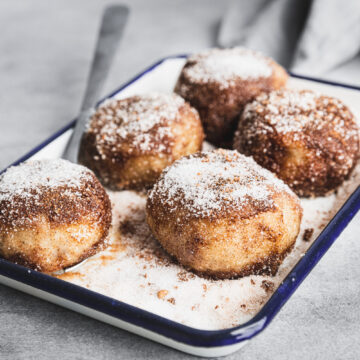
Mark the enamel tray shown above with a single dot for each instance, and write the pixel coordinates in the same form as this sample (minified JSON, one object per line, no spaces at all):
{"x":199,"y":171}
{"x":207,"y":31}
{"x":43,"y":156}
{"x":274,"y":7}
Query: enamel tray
{"x":206,"y":343}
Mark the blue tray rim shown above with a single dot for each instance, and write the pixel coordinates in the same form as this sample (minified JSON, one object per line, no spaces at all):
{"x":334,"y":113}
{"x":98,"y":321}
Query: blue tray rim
{"x":168,"y":328}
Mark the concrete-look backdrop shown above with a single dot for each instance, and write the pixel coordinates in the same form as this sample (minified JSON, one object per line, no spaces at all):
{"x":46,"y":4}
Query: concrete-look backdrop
{"x":46,"y":49}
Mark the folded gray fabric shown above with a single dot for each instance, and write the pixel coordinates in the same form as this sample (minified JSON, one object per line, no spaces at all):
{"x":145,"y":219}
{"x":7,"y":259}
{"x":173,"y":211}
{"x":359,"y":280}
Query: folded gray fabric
{"x":310,"y":36}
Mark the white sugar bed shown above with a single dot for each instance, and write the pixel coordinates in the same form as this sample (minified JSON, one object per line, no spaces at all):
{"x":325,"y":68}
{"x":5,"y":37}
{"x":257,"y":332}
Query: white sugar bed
{"x":135,"y":270}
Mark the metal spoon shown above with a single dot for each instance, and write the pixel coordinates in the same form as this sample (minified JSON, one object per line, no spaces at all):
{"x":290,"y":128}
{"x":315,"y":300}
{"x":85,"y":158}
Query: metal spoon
{"x":111,"y":30}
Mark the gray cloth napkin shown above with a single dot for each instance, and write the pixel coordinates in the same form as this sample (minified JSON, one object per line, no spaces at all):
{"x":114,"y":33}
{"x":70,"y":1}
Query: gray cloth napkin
{"x":310,"y":36}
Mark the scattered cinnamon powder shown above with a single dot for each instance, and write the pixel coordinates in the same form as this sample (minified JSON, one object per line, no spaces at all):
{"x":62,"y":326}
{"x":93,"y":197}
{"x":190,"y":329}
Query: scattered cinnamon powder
{"x":268,"y":286}
{"x":172,"y":301}
{"x":135,"y":231}
{"x":70,"y":275}
{"x":185,"y":275}
{"x":195,"y":307}
{"x":162,"y":293}
{"x":308,"y":234}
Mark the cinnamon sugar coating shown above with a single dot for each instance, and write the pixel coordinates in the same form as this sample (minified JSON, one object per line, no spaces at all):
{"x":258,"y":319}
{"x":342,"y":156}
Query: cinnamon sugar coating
{"x":220,"y":82}
{"x":130,"y":141}
{"x":53,"y":214}
{"x":310,"y":141}
{"x":225,"y":216}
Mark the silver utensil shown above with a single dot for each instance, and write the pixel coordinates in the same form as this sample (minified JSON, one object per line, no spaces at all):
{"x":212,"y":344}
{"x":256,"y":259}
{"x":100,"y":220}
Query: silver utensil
{"x":111,"y":30}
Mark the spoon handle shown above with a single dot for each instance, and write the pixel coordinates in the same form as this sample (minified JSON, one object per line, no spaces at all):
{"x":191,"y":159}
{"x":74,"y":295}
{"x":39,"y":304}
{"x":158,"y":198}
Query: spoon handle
{"x":111,"y":30}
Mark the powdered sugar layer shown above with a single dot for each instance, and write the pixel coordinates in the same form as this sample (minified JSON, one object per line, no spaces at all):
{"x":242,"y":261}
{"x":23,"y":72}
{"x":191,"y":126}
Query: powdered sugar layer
{"x":213,"y":181}
{"x":144,"y":121}
{"x":225,"y":65}
{"x":293,"y":111}
{"x":28,"y":178}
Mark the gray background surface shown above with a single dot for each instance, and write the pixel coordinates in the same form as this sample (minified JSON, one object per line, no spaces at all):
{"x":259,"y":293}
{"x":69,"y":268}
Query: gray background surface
{"x":46,"y":49}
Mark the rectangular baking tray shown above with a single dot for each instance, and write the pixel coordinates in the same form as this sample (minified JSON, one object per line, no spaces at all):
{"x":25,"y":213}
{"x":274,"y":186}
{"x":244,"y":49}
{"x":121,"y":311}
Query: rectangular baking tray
{"x":207,"y":343}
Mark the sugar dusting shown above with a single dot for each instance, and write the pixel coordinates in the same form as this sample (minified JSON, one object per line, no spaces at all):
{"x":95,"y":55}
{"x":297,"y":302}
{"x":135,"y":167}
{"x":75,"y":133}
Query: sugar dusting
{"x":215,"y":181}
{"x":30,"y":178}
{"x":225,"y":65}
{"x":143,"y":121}
{"x":295,"y":111}
{"x":135,"y":270}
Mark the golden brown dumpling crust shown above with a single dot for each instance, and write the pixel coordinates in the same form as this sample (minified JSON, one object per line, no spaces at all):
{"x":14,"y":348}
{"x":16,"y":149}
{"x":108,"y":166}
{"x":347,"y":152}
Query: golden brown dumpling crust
{"x":53,"y":214}
{"x":310,"y":141}
{"x":129,"y":142}
{"x":218,"y":83}
{"x":222,"y":215}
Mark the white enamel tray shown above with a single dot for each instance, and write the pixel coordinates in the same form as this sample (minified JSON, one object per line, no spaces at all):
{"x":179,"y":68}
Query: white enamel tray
{"x":191,"y":339}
